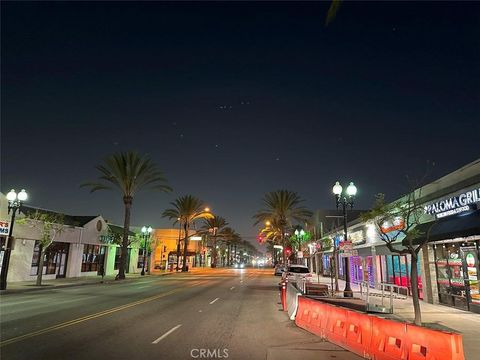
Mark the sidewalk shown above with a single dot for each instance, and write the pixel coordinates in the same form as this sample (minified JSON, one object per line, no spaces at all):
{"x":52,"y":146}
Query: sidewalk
{"x":27,"y":286}
{"x":439,"y":317}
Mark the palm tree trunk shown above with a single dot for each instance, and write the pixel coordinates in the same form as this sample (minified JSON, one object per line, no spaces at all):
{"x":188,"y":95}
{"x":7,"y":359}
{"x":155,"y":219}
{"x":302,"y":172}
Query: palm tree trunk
{"x":185,"y":247}
{"x":284,"y":247}
{"x":40,"y":266}
{"x":214,"y":252}
{"x":127,"y":201}
{"x":414,"y":284}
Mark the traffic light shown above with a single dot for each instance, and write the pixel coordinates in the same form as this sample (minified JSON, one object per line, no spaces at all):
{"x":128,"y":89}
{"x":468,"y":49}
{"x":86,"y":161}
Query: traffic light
{"x":260,"y":238}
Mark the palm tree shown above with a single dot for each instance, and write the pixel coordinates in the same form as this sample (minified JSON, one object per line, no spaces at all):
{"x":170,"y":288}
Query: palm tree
{"x":186,"y":209}
{"x":282,"y":207}
{"x":230,"y":238}
{"x":128,"y":172}
{"x":214,"y":225}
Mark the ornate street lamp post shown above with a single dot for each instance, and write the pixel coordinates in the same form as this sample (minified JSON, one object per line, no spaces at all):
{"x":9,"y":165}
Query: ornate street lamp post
{"x":345,"y":200}
{"x":146,"y":235}
{"x":15,"y":202}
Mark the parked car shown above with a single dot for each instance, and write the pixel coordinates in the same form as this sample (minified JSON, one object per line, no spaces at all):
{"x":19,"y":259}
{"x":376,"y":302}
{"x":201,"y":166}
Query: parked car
{"x":279,"y":269}
{"x":296,"y":272}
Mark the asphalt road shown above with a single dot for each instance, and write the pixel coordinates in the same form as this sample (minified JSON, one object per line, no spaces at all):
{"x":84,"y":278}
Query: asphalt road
{"x":211,"y":314}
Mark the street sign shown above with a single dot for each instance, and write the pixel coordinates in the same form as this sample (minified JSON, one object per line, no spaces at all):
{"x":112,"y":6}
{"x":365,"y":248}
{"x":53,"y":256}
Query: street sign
{"x":4,"y":227}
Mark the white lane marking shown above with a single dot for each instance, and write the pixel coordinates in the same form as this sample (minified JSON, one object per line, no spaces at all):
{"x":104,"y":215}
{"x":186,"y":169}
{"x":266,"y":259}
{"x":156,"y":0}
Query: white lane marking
{"x":233,"y":287}
{"x":211,"y":302}
{"x":166,"y":334}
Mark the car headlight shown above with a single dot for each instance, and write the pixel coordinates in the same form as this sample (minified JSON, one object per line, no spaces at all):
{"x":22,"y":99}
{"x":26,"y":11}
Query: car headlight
{"x":242,"y":266}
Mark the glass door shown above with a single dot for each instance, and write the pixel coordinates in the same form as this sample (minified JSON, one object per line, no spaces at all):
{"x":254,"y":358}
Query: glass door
{"x":471,"y":273}
{"x":61,"y":260}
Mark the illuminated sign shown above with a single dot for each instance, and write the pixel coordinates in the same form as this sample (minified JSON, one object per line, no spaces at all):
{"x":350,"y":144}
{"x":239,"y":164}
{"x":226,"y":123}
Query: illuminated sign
{"x":356,"y":237}
{"x":4,"y":227}
{"x":398,"y":224}
{"x":454,"y":205}
{"x":196,"y":238}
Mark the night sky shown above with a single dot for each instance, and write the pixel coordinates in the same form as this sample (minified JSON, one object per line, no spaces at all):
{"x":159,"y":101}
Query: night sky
{"x":236,"y":99}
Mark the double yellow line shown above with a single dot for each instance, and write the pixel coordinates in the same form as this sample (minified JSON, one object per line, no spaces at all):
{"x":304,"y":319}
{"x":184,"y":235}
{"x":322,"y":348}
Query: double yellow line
{"x":94,"y":316}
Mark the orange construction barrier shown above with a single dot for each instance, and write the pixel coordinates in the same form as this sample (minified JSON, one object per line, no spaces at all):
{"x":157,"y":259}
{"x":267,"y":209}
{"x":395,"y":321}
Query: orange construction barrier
{"x":376,"y":338}
{"x":388,"y":339}
{"x":312,"y":316}
{"x":359,"y":333}
{"x":429,"y":344}
{"x":336,"y":329}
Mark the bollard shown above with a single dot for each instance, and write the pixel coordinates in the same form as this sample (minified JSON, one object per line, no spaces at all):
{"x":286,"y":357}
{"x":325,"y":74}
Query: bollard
{"x":284,"y":296}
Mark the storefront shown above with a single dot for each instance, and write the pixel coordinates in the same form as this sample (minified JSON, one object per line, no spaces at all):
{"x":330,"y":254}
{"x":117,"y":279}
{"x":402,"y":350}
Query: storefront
{"x":454,"y":240}
{"x":457,"y":269}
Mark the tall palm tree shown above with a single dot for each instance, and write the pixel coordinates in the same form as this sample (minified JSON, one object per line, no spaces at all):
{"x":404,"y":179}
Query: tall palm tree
{"x":186,"y":209}
{"x":128,"y":173}
{"x":282,"y":207}
{"x":214,"y":225}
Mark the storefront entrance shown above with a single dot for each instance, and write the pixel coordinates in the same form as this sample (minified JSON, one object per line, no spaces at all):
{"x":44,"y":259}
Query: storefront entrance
{"x":457,"y":269}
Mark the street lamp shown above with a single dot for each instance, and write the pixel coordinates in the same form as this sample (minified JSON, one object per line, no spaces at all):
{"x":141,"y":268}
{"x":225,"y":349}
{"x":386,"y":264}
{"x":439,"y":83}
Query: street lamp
{"x":345,"y":200}
{"x":15,"y":202}
{"x":178,"y":242}
{"x":146,"y":234}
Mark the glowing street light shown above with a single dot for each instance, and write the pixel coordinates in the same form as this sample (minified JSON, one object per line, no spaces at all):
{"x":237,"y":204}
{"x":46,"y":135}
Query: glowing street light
{"x":146,"y":235}
{"x":15,"y":202}
{"x":345,"y":200}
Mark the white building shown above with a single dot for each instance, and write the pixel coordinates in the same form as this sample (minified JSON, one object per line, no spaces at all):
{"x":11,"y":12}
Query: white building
{"x":82,"y":248}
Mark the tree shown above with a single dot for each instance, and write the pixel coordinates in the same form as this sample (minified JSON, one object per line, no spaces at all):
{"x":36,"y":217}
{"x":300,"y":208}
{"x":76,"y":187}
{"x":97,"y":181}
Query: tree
{"x":282,"y":207}
{"x":397,"y":225}
{"x":128,"y":173}
{"x":230,"y":238}
{"x":186,"y":209}
{"x":214,"y":226}
{"x":50,"y":225}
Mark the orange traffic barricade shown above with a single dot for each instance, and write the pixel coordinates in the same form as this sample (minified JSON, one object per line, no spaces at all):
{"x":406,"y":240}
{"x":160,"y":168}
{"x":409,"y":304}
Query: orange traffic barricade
{"x":336,"y":328}
{"x":359,"y":333}
{"x":388,"y":339}
{"x":429,"y":344}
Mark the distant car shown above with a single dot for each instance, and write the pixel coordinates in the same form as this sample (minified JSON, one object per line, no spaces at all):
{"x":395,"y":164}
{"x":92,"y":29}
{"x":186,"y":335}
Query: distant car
{"x":279,"y":269}
{"x":296,"y":272}
{"x":239,"y":265}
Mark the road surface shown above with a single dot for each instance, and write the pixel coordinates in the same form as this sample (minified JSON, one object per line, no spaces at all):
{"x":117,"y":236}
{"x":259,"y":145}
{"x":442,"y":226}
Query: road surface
{"x":208,"y":314}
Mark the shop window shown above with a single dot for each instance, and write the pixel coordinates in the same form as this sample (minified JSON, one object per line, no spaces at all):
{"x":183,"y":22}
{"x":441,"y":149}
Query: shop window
{"x":55,"y":259}
{"x":457,"y":274}
{"x":92,"y":257}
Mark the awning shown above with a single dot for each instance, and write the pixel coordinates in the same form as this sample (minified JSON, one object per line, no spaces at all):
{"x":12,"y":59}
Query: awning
{"x":450,"y":228}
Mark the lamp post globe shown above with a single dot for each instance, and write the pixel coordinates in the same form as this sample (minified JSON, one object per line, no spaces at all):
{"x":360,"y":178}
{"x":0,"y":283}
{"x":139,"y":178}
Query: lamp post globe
{"x":22,"y":195}
{"x":337,"y":188}
{"x":351,"y":189}
{"x":12,"y":195}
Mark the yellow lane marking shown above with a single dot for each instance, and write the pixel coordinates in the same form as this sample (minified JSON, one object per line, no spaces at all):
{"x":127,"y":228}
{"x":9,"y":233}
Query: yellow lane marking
{"x":93,"y":316}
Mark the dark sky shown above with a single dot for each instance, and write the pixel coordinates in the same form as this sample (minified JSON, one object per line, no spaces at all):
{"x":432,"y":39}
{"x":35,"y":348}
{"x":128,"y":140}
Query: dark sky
{"x":236,"y":99}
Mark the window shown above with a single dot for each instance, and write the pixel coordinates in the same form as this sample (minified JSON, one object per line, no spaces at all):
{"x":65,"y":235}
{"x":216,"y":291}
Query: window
{"x":92,"y":257}
{"x":55,"y":259}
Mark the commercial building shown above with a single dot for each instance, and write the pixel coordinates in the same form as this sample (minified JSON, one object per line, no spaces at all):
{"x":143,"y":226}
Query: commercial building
{"x":82,"y":246}
{"x":448,"y":268}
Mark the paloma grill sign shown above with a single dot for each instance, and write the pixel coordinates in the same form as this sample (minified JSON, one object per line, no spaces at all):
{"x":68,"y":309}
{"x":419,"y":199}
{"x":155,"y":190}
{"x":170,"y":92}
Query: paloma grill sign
{"x":454,"y":205}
